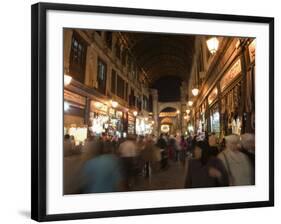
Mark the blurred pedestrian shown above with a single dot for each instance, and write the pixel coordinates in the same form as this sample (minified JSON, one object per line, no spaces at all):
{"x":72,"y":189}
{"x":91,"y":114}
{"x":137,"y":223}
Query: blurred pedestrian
{"x":68,"y":146}
{"x":205,"y":170}
{"x":162,"y":145}
{"x":183,"y":149}
{"x":237,"y":164}
{"x":129,"y":157}
{"x":248,"y":148}
{"x":150,"y":155}
{"x":102,"y":173}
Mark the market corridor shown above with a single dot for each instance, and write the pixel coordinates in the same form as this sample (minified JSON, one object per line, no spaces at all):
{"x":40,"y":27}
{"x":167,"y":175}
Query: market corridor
{"x":153,"y":111}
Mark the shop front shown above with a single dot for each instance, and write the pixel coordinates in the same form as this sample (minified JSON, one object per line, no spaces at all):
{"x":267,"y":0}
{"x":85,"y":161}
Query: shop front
{"x":131,"y":123}
{"x":74,"y":117}
{"x":98,"y":118}
{"x":202,"y":119}
{"x":117,"y":123}
{"x":231,"y":107}
{"x":250,"y":89}
{"x":143,"y":126}
{"x":214,"y":114}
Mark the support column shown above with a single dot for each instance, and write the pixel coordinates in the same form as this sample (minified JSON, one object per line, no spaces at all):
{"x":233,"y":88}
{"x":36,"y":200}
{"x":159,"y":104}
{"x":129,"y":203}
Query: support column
{"x":220,"y":114}
{"x":243,"y":89}
{"x":184,"y":91}
{"x":155,"y":111}
{"x":87,"y":111}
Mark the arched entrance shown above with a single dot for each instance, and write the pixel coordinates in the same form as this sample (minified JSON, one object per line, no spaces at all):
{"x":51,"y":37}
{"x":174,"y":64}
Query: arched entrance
{"x":169,"y":119}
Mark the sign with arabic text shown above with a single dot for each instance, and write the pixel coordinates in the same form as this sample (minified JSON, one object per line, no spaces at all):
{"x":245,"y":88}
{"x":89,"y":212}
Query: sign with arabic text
{"x":231,"y":74}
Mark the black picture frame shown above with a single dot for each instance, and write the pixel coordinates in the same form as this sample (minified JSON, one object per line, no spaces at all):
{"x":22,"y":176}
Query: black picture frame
{"x":39,"y":122}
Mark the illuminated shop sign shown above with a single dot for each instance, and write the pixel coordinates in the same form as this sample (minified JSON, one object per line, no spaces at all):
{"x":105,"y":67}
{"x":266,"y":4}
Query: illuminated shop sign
{"x":98,"y":106}
{"x":213,"y":95}
{"x":73,"y":97}
{"x":231,"y":74}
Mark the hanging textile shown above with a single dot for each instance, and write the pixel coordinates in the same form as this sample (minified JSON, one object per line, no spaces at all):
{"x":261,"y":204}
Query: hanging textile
{"x":250,"y":90}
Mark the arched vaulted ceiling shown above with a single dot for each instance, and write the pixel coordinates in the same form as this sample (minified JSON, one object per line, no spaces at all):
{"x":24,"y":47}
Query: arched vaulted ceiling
{"x":162,"y":54}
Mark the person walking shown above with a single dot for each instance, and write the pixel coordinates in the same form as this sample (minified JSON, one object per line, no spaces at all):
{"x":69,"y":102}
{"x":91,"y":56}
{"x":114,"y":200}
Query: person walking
{"x":237,"y":164}
{"x":102,"y":173}
{"x":248,"y":148}
{"x":162,"y":145}
{"x":205,"y":170}
{"x":150,"y":155}
{"x":68,"y":146}
{"x":183,"y":149}
{"x":129,"y":154}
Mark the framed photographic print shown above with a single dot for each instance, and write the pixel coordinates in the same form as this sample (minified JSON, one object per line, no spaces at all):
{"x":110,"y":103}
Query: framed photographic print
{"x":139,"y":111}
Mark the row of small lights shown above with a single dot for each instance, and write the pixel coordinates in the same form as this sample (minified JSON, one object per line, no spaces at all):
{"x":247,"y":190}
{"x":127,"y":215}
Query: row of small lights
{"x":114,"y":104}
{"x":213,"y":45}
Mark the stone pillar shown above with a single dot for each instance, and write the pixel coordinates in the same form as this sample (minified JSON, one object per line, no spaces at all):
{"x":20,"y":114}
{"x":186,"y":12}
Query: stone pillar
{"x":244,"y":86}
{"x":155,"y":111}
{"x":91,"y":67}
{"x":221,"y":121}
{"x":183,"y":102}
{"x":87,"y":111}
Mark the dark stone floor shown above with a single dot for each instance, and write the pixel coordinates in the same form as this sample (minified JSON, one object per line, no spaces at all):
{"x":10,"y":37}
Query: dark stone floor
{"x":171,"y":178}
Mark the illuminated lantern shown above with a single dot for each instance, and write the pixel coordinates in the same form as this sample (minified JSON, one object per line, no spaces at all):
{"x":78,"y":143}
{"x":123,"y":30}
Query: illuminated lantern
{"x":66,"y":106}
{"x":195,"y":91}
{"x":213,"y":44}
{"x":67,"y":80}
{"x":114,"y":104}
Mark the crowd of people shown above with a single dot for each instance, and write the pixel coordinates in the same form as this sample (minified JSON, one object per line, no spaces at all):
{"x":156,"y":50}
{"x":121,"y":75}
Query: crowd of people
{"x":115,"y":164}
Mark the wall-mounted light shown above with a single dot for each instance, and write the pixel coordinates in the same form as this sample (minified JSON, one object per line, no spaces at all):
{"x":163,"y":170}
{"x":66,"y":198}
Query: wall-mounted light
{"x":66,"y":106}
{"x":190,"y":103}
{"x":178,"y":112}
{"x":186,"y":117}
{"x":213,"y":44}
{"x":114,"y":104}
{"x":67,"y":80}
{"x":135,"y":113}
{"x":188,"y":111}
{"x":195,"y":91}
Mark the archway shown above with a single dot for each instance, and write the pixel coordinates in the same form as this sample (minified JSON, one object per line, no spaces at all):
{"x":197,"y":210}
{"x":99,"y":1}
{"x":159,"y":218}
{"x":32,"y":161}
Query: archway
{"x":169,"y":120}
